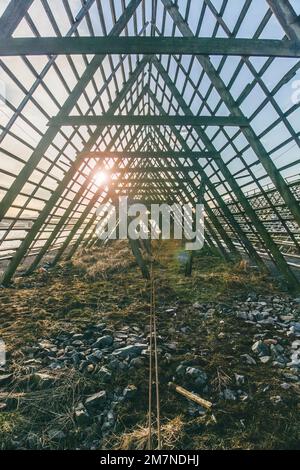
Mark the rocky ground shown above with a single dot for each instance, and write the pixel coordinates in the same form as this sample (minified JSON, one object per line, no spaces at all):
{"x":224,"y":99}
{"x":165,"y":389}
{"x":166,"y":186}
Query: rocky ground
{"x":77,"y":369}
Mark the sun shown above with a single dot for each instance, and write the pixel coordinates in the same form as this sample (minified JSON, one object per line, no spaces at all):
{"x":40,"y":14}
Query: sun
{"x":100,"y":178}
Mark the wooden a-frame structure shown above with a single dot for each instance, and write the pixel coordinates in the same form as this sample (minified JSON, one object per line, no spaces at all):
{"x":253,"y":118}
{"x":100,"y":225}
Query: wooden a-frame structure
{"x":187,"y":100}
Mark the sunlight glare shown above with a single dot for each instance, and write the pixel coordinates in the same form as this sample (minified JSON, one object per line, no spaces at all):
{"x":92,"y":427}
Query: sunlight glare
{"x":100,"y":178}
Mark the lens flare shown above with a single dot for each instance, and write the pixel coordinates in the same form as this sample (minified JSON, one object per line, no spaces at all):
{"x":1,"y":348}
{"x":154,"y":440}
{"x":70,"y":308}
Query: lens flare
{"x":100,"y":178}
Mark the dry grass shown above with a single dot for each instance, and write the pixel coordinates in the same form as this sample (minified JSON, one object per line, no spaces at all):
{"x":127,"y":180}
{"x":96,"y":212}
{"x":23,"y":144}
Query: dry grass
{"x":137,"y":439}
{"x":103,"y":263}
{"x":40,"y":411}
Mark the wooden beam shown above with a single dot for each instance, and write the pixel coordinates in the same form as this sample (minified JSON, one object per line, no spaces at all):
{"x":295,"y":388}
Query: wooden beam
{"x":50,"y":134}
{"x":139,"y":155}
{"x":12,"y":16}
{"x":287,"y":17}
{"x":150,"y":181}
{"x":136,"y":250}
{"x":27,"y":170}
{"x":150,"y":120}
{"x":69,"y":210}
{"x":149,"y":170}
{"x":255,"y":143}
{"x":191,"y":396}
{"x":228,"y":215}
{"x":150,"y":45}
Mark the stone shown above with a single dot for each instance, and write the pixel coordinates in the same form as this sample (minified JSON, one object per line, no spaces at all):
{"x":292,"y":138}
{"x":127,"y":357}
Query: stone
{"x":291,"y":377}
{"x":105,"y":375}
{"x":259,"y":336}
{"x":131,"y":351}
{"x":185,"y":329}
{"x":252,"y":297}
{"x":267,"y":321}
{"x":88,"y":334}
{"x":45,"y":344}
{"x":278,"y":364}
{"x":285,"y":386}
{"x":76,"y":358}
{"x":260,"y":348}
{"x":137,"y":362}
{"x":167,"y":357}
{"x":121,"y":336}
{"x":239,"y":379}
{"x":77,"y":336}
{"x":265,"y":359}
{"x":54,"y":366}
{"x":210,"y":312}
{"x":221,"y":335}
{"x":295,"y":359}
{"x":94,"y":357}
{"x":196,"y":410}
{"x":90,"y":368}
{"x":286,"y":318}
{"x":82,"y":416}
{"x":42,"y":379}
{"x":172,"y":346}
{"x":98,"y":355}
{"x":229,"y":394}
{"x":103,"y":342}
{"x":198,"y":375}
{"x":114,"y":364}
{"x":78,"y":343}
{"x":129,"y":392}
{"x":295,"y":355}
{"x":106,"y":427}
{"x":180,"y":370}
{"x":276,"y":399}
{"x":248,"y":359}
{"x":107,"y":332}
{"x":296,"y":344}
{"x":96,"y":401}
{"x":296,"y":326}
{"x":242,"y":315}
{"x":5,"y":379}
{"x":270,"y":342}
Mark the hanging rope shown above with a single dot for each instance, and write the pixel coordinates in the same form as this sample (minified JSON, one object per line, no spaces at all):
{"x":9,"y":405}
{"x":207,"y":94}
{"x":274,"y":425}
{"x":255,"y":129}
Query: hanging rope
{"x":153,"y":342}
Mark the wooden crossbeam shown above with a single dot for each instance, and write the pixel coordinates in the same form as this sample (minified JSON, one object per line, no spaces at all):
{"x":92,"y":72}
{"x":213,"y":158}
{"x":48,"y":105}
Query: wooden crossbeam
{"x":150,"y":180}
{"x":287,"y":17}
{"x":147,"y":155}
{"x":150,"y":120}
{"x":150,"y":45}
{"x":12,"y":16}
{"x":149,"y":170}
